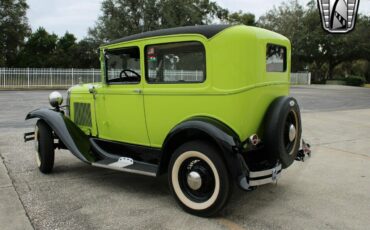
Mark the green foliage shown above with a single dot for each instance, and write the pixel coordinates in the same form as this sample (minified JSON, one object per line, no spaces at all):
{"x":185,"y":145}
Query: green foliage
{"x":38,"y":50}
{"x":325,"y":55}
{"x":13,"y":30}
{"x":126,"y":17}
{"x":312,"y":47}
{"x":43,"y":50}
{"x":355,"y":80}
{"x":242,"y":18}
{"x":86,"y":54}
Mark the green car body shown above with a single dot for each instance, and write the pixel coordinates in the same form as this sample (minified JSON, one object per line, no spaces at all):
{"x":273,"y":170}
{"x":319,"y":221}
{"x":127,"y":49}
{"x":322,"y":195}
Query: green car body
{"x":237,"y":90}
{"x":191,"y":102}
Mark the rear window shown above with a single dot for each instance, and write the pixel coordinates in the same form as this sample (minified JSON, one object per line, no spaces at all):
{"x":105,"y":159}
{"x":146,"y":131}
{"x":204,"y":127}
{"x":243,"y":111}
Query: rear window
{"x":182,"y":62}
{"x":275,"y":58}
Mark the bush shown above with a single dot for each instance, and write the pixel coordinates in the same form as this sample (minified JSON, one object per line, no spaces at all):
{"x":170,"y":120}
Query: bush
{"x":355,"y":80}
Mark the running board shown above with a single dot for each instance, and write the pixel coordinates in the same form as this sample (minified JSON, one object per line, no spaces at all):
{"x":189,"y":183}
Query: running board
{"x":125,"y":164}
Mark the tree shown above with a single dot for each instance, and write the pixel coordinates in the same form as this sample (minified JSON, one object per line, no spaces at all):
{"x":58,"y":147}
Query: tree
{"x":312,"y":46}
{"x":86,"y":54}
{"x":65,"y":52}
{"x":333,"y":49}
{"x":13,"y":30}
{"x":126,"y":17}
{"x":188,"y":12}
{"x":287,"y":19}
{"x":39,"y":50}
{"x":241,"y":18}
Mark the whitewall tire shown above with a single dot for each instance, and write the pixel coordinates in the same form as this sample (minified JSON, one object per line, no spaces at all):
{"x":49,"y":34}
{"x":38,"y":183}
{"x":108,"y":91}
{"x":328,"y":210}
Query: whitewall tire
{"x":199,"y":179}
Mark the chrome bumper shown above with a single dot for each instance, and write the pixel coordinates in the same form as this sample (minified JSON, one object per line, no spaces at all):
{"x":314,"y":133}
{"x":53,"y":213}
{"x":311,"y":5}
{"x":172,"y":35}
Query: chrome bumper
{"x":267,"y":176}
{"x":250,"y":179}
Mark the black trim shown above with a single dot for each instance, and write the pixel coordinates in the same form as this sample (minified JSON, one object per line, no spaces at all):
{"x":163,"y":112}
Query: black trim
{"x":115,"y":150}
{"x":207,"y":31}
{"x":71,"y":135}
{"x":146,"y":71}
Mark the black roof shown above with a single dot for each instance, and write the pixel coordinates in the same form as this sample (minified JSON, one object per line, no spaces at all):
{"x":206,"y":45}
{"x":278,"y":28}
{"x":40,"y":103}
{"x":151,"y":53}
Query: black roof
{"x":206,"y":30}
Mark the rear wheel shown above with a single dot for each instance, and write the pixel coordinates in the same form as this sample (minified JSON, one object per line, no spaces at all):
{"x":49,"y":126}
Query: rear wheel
{"x":199,"y":179}
{"x":44,"y":146}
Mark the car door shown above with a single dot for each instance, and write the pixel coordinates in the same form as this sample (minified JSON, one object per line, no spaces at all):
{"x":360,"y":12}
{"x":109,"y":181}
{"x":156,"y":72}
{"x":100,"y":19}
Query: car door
{"x":119,"y":102}
{"x":175,"y":84}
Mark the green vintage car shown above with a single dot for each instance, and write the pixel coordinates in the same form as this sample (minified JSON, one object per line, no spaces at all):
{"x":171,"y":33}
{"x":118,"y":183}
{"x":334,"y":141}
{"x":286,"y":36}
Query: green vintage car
{"x":208,"y":105}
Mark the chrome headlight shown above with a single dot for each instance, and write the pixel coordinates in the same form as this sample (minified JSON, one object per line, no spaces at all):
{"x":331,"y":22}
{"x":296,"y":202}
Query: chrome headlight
{"x":55,"y":99}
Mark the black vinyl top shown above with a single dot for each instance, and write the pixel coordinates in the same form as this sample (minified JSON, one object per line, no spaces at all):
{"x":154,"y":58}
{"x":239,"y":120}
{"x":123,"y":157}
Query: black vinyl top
{"x":206,"y":30}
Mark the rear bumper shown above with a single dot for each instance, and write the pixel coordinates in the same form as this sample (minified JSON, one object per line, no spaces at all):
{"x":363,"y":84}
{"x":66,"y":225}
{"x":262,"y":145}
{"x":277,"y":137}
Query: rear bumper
{"x":250,"y":178}
{"x":265,"y":176}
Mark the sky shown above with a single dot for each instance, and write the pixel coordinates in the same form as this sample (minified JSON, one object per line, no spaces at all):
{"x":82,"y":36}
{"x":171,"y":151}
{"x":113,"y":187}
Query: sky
{"x":76,"y":16}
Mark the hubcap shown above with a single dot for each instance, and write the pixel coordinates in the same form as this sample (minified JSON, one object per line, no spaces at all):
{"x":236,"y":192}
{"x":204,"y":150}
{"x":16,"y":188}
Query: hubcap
{"x":194,"y":180}
{"x":292,"y":132}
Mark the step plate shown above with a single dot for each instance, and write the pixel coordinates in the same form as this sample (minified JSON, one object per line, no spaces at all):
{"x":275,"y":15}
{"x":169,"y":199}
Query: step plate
{"x":128,"y":165}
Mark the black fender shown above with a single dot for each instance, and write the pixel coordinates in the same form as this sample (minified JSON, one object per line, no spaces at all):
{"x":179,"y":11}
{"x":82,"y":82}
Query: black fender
{"x":212,"y":130}
{"x":69,"y":133}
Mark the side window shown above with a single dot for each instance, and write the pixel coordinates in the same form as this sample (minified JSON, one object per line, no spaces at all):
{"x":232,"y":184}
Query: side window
{"x":275,"y":58}
{"x":123,"y":65}
{"x":182,"y":62}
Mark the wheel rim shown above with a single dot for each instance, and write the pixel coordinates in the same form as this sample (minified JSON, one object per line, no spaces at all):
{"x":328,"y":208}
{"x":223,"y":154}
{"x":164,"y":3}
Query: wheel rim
{"x":37,"y":147}
{"x":291,"y":131}
{"x":195,"y":192}
{"x":196,"y":179}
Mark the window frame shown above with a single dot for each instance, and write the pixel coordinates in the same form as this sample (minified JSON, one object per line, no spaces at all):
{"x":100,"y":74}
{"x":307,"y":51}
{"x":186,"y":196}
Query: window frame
{"x":106,"y":67}
{"x":146,"y":70}
{"x":285,"y":58}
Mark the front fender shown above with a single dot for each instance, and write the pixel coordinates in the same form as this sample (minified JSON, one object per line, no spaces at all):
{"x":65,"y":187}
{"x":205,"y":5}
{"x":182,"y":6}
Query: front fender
{"x":70,"y":134}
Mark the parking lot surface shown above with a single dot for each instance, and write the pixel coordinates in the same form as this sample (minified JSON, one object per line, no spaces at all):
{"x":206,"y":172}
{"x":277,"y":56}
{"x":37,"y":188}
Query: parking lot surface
{"x":330,"y":191}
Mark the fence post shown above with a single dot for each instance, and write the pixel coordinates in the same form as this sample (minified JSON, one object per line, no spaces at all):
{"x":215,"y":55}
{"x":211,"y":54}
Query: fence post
{"x":93,"y":70}
{"x":296,"y":79}
{"x":28,"y":77}
{"x":72,"y":77}
{"x":4,"y":76}
{"x":51,"y":78}
{"x":309,"y":78}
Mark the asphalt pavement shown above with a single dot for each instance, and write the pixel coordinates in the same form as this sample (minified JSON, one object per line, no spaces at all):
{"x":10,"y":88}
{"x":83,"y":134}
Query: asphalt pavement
{"x":330,"y":191}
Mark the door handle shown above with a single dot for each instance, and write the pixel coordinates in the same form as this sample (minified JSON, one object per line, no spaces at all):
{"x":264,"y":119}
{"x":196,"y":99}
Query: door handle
{"x":139,"y":91}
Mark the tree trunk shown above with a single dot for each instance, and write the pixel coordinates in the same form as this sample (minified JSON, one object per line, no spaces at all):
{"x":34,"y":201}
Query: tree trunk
{"x":330,"y":71}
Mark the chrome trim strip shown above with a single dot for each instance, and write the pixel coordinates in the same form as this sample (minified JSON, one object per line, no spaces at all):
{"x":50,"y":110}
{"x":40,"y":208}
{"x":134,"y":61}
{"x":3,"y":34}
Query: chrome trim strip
{"x":264,"y":181}
{"x":264,"y":172}
{"x":124,"y":170}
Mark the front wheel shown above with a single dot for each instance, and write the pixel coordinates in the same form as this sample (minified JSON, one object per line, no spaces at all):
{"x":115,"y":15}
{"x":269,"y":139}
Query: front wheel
{"x":44,"y":146}
{"x":199,"y":179}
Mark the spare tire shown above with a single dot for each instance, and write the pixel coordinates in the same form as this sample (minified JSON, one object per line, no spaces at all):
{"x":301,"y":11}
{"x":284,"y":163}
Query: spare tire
{"x":282,"y":133}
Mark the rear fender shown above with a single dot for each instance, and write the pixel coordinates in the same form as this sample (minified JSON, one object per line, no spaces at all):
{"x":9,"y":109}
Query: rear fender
{"x":69,"y":133}
{"x":212,"y":130}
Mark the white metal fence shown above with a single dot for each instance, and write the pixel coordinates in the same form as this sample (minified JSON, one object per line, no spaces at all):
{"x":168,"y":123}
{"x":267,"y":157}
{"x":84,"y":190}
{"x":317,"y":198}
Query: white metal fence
{"x":15,"y":78}
{"x":46,"y":78}
{"x":303,"y":78}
